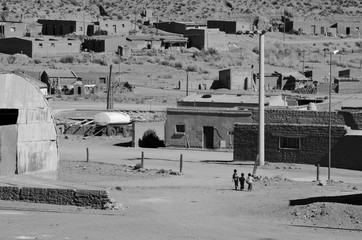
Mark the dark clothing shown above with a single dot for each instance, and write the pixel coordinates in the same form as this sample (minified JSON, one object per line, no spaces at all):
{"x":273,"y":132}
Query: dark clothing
{"x":236,"y":180}
{"x":242,"y":181}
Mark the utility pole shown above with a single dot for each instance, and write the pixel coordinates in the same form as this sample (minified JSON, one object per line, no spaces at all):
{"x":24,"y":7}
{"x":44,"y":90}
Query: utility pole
{"x":261,"y":101}
{"x":110,"y":90}
{"x":303,"y":59}
{"x":187,"y":83}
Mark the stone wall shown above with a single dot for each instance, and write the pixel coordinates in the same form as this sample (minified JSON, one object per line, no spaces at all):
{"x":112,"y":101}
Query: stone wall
{"x":351,"y":119}
{"x":313,"y":142}
{"x":84,"y":198}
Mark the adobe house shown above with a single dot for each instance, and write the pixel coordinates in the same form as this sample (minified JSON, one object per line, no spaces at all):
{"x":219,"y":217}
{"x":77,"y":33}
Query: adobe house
{"x":55,"y":27}
{"x":293,"y":80}
{"x":144,"y":42}
{"x":12,"y":29}
{"x":28,"y":139}
{"x":206,"y":121}
{"x":38,"y":47}
{"x":231,"y":27}
{"x":61,"y":82}
{"x":202,"y":127}
{"x":103,"y":43}
{"x":177,"y":27}
{"x":207,"y":38}
{"x":111,"y":27}
{"x":302,"y":137}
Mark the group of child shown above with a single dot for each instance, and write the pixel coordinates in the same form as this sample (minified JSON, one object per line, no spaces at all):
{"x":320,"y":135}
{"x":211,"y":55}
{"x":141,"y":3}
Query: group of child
{"x":249,"y":180}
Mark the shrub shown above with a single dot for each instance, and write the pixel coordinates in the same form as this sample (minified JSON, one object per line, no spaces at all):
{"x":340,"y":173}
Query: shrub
{"x":150,"y":140}
{"x":11,"y":59}
{"x":37,"y":61}
{"x":179,"y":65}
{"x":67,"y":59}
{"x":192,"y":68}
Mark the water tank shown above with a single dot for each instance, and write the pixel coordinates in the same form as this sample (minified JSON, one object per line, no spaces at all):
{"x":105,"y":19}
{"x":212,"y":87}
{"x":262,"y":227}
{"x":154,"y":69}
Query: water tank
{"x":312,"y":107}
{"x":105,"y":118}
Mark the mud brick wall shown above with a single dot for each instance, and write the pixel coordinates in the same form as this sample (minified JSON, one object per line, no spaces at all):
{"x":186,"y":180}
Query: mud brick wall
{"x":351,"y":119}
{"x":313,"y":142}
{"x":84,"y":198}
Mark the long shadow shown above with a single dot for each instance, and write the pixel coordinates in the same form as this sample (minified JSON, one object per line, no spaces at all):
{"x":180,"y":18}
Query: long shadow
{"x":332,"y":228}
{"x":354,"y":199}
{"x":227,"y":162}
{"x":123,"y":144}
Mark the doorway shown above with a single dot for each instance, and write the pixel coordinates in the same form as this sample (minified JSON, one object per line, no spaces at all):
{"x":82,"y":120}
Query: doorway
{"x":208,"y":137}
{"x":348,"y":30}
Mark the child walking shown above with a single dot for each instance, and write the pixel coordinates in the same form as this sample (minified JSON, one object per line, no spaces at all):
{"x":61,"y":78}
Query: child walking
{"x":242,"y":181}
{"x":249,"y":181}
{"x":235,"y":178}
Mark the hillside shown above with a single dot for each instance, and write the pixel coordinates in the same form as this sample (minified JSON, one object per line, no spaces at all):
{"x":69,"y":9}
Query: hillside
{"x":185,"y":10}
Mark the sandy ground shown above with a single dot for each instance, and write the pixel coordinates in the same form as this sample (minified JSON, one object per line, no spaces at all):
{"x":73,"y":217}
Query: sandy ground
{"x":198,"y":204}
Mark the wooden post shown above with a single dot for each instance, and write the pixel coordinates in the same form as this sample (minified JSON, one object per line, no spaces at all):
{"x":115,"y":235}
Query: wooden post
{"x":317,"y":172}
{"x":87,"y":153}
{"x":256,"y":164}
{"x":133,"y":134}
{"x":142,"y":160}
{"x":109,"y":90}
{"x":181,"y":161}
{"x":187,"y":84}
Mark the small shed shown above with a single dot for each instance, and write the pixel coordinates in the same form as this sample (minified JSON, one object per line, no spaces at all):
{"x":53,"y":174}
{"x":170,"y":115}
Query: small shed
{"x":60,"y":81}
{"x":28,"y":139}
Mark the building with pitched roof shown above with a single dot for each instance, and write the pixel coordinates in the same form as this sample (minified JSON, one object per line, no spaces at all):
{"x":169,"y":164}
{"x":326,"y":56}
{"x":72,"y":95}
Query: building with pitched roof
{"x":63,"y":81}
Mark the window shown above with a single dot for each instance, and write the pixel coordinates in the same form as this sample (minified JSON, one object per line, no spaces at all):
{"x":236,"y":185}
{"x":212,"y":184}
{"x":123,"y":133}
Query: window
{"x":52,"y":45}
{"x":180,"y":128}
{"x":123,"y":25}
{"x":106,"y":25}
{"x":12,"y":29}
{"x":40,"y":45}
{"x":80,"y":29}
{"x":102,"y":80}
{"x":114,"y":28}
{"x":289,"y":142}
{"x":8,"y":116}
{"x":69,"y":44}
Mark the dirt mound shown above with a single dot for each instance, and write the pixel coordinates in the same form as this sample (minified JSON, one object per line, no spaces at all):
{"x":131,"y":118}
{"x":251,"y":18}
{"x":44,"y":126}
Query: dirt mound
{"x":329,"y":215}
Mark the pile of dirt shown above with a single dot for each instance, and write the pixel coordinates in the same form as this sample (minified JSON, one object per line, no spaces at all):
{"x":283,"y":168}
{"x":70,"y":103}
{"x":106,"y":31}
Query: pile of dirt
{"x":329,"y":215}
{"x":69,"y":170}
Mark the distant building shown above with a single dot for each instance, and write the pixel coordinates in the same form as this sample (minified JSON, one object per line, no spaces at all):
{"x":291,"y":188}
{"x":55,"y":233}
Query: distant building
{"x":293,"y":80}
{"x":231,"y":27}
{"x":54,"y":27}
{"x":178,"y":27}
{"x":33,"y":47}
{"x":103,"y":43}
{"x":61,"y":82}
{"x":111,"y":27}
{"x":157,"y":42}
{"x":12,"y":29}
{"x":207,"y":38}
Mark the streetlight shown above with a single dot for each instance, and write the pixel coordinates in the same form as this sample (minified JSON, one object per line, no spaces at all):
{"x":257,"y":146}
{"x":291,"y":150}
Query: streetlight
{"x":330,"y":114}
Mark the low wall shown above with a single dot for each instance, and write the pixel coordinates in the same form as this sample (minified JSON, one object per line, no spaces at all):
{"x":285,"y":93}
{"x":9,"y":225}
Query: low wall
{"x":84,"y":198}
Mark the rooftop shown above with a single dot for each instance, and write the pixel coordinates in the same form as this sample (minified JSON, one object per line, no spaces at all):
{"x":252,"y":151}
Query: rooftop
{"x":64,"y":73}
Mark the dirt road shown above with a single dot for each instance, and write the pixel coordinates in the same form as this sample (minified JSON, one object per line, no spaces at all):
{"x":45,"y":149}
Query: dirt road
{"x":199,"y":204}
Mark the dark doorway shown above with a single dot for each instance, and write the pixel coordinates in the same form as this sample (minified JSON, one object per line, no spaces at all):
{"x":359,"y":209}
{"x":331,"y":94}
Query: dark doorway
{"x":348,"y":30}
{"x":8,"y":116}
{"x":208,"y":137}
{"x":2,"y":30}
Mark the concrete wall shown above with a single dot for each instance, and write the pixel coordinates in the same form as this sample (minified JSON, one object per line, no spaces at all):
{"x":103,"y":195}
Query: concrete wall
{"x":51,"y":48}
{"x":313,"y":142}
{"x":195,"y":119}
{"x":235,"y":79}
{"x":36,"y":146}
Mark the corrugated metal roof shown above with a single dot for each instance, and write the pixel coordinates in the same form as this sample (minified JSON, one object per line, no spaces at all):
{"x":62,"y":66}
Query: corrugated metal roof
{"x":64,"y":73}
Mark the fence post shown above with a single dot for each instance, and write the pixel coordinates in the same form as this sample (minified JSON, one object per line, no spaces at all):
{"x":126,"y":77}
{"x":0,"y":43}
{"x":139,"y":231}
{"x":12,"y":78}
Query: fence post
{"x":317,"y":172}
{"x":87,"y":151}
{"x":142,"y":160}
{"x":181,"y":160}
